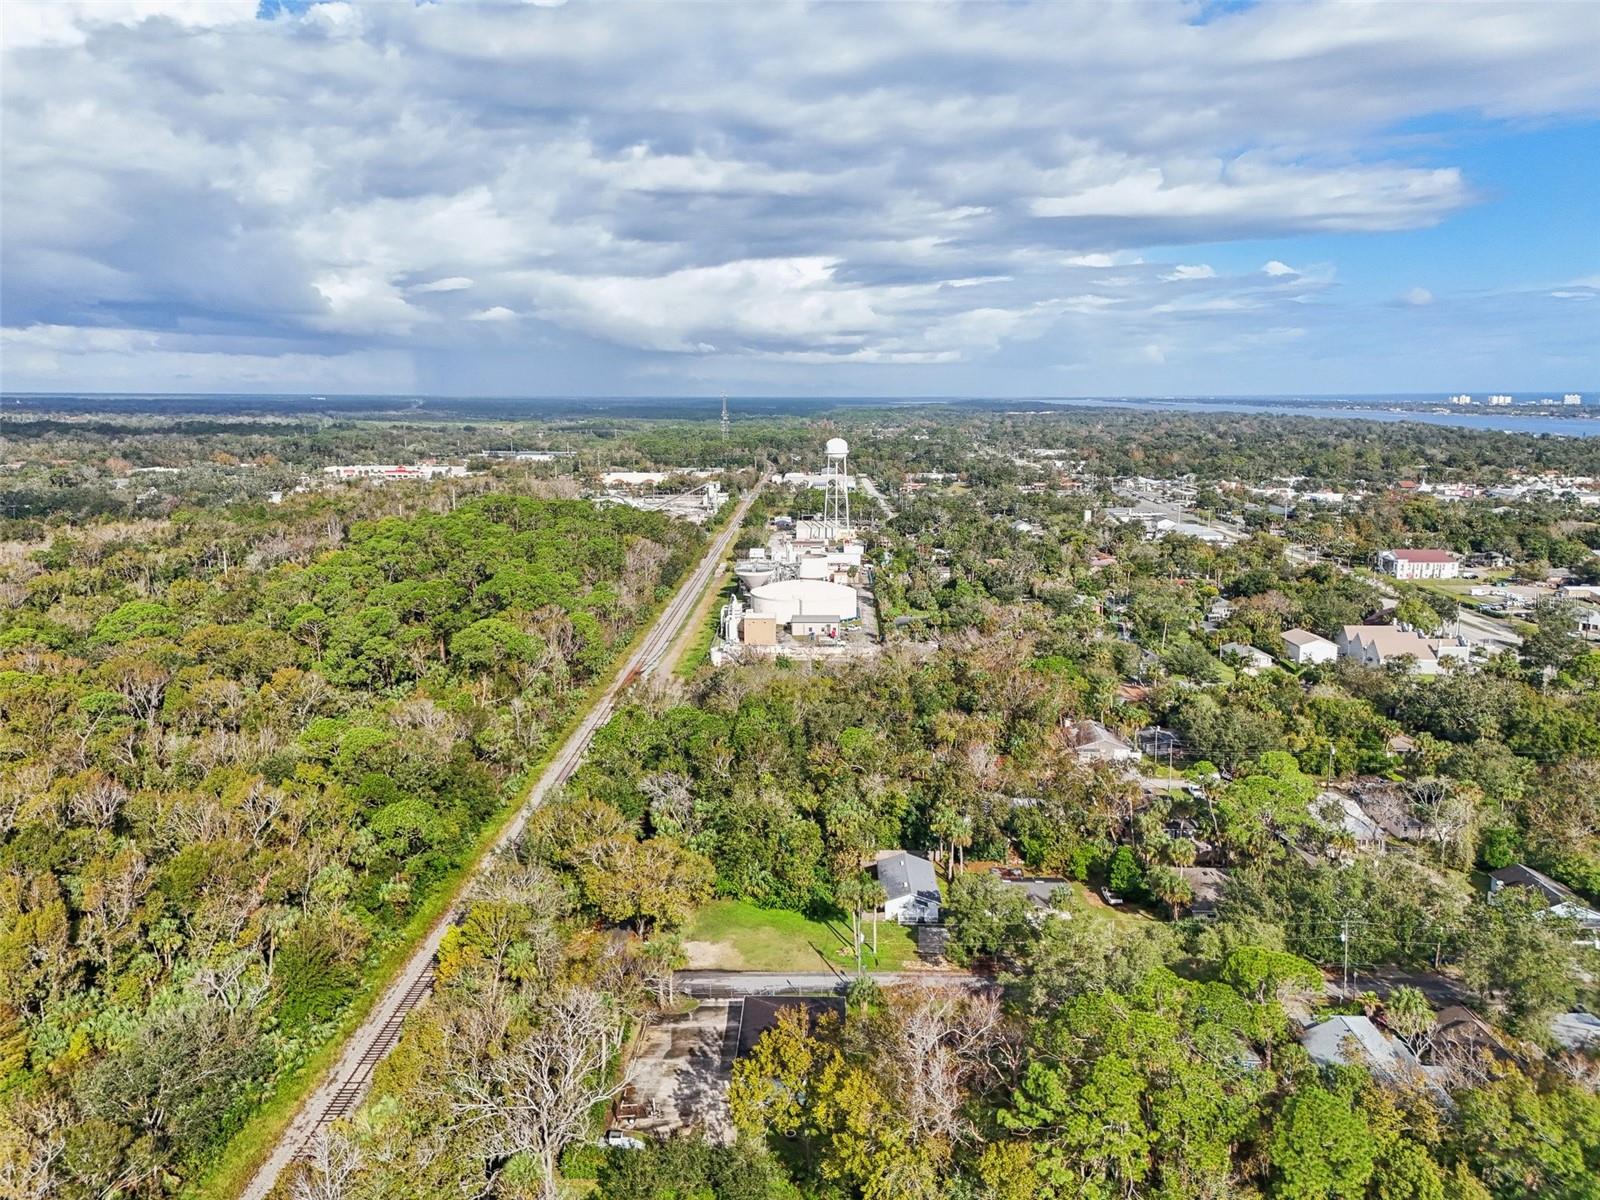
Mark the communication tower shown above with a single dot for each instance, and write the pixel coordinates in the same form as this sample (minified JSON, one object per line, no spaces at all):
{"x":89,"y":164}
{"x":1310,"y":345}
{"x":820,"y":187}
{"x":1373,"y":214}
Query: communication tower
{"x":724,"y":418}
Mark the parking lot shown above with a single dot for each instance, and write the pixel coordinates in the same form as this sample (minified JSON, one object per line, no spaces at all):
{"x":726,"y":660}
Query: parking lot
{"x":681,"y":1068}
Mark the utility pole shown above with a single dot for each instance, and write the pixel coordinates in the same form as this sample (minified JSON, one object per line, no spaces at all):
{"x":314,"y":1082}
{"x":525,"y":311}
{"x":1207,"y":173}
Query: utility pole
{"x":1344,"y":938}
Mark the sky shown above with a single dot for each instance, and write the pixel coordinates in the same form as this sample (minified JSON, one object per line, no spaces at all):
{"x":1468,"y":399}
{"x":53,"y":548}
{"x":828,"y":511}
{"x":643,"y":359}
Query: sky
{"x":1002,"y":199}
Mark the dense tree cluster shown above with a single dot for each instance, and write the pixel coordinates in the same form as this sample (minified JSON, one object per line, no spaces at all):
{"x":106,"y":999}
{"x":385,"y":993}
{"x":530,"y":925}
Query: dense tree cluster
{"x":241,"y":755}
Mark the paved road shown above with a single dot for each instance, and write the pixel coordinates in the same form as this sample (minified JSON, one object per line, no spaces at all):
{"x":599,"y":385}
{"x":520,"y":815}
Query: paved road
{"x":871,"y":489}
{"x":341,"y":1092}
{"x":757,"y":983}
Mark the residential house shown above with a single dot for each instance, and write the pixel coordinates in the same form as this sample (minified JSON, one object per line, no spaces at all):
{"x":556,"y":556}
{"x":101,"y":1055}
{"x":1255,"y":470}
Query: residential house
{"x":911,"y":888}
{"x":1385,"y":803}
{"x":1046,"y":895}
{"x":1559,"y":899}
{"x":1304,"y":648}
{"x":1356,"y":1041}
{"x":1419,"y":564}
{"x":1252,"y":661}
{"x":1343,"y":814}
{"x":1092,"y":742}
{"x":1588,"y":622}
{"x":1207,"y":885}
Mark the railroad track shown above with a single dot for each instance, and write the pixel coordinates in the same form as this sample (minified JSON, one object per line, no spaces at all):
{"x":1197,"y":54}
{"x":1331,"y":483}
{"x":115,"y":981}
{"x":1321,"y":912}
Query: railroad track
{"x":342,"y":1091}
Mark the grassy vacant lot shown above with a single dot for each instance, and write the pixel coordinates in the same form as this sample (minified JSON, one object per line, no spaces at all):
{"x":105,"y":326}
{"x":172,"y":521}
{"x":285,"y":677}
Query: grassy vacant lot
{"x":733,"y":935}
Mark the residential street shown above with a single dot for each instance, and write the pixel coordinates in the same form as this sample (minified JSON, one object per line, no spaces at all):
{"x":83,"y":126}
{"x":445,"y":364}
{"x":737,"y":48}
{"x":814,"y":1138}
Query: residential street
{"x":755,"y":983}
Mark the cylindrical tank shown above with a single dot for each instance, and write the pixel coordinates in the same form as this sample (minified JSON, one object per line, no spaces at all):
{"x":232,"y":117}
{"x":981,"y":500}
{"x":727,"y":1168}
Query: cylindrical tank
{"x":837,"y":447}
{"x":755,"y":574}
{"x":788,"y":598}
{"x":815,"y":566}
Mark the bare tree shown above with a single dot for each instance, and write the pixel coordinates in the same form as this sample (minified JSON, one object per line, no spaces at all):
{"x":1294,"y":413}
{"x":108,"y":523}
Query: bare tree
{"x":96,"y":799}
{"x":336,"y":1160}
{"x":535,"y":1097}
{"x":944,"y":1046}
{"x":33,"y":1137}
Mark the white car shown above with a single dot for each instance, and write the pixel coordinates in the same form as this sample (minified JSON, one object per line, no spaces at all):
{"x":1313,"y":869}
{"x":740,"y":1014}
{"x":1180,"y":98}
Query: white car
{"x":618,"y":1140}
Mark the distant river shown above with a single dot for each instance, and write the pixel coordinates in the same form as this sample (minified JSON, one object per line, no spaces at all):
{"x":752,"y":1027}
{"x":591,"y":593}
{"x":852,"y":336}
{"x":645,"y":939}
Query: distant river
{"x":1386,"y":407}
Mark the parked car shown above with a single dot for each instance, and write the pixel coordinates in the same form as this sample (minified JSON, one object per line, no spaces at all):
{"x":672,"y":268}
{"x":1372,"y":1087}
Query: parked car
{"x":618,"y":1139}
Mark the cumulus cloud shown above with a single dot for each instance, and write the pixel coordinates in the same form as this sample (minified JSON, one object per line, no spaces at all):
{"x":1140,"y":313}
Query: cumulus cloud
{"x":1418,"y":297}
{"x":809,"y":186}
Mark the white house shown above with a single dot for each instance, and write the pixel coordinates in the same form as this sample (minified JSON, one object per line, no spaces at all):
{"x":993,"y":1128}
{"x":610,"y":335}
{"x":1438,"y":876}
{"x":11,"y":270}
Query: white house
{"x":1254,"y":661}
{"x":911,"y":886}
{"x":1419,"y":564}
{"x":1304,"y":648}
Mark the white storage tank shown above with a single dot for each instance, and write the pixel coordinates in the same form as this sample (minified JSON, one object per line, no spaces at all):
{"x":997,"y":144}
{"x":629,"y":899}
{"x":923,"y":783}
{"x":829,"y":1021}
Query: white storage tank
{"x":789,"y":598}
{"x":755,"y":574}
{"x":815,"y":566}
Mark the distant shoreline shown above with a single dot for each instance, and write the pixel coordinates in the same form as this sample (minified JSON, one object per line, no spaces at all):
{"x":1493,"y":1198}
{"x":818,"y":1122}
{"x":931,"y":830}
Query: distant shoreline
{"x":1524,"y":416}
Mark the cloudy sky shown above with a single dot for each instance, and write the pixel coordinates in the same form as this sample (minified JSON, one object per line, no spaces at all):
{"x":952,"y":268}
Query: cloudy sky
{"x":907,"y":199}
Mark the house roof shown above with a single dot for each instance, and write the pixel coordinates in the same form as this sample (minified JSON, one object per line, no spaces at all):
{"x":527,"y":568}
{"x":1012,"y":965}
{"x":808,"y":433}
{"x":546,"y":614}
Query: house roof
{"x":1037,"y":891}
{"x":1422,"y":556}
{"x":1391,"y":642}
{"x":1085,"y":734}
{"x":1521,"y":875}
{"x":1349,"y":1040}
{"x":758,"y":1014}
{"x":1348,"y":815}
{"x":1205,"y":882}
{"x":1248,"y":653}
{"x":1575,"y":1030}
{"x":902,"y":874}
{"x":1303,"y":637}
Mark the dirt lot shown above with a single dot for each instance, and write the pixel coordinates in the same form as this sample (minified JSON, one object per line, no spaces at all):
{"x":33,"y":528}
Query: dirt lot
{"x":681,"y":1067}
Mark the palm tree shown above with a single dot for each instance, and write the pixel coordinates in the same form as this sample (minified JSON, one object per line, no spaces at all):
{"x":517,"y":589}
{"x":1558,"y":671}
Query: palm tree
{"x":1167,"y":886}
{"x":874,"y":897}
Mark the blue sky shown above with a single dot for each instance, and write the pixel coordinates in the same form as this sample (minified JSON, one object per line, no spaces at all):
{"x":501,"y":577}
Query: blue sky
{"x":907,"y":199}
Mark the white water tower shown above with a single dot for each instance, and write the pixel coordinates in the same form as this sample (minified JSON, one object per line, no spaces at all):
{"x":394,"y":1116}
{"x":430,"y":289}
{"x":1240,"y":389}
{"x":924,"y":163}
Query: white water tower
{"x":836,"y":493}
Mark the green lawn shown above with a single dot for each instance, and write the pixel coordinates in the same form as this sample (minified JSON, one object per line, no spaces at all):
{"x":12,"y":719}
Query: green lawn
{"x":734,"y":935}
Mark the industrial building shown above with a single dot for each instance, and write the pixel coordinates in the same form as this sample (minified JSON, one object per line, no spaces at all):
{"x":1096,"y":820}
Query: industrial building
{"x":805,"y":590}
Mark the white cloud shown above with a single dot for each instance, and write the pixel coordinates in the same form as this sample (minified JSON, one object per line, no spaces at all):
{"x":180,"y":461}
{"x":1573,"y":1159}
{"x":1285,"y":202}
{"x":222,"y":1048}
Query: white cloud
{"x":453,"y":283}
{"x":811,"y":184}
{"x":1418,"y":297}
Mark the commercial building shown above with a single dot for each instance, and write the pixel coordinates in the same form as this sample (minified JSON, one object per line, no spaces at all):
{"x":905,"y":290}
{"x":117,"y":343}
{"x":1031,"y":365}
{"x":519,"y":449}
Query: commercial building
{"x":1419,"y":564}
{"x":1378,"y":645}
{"x":388,"y":472}
{"x":785,"y":599}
